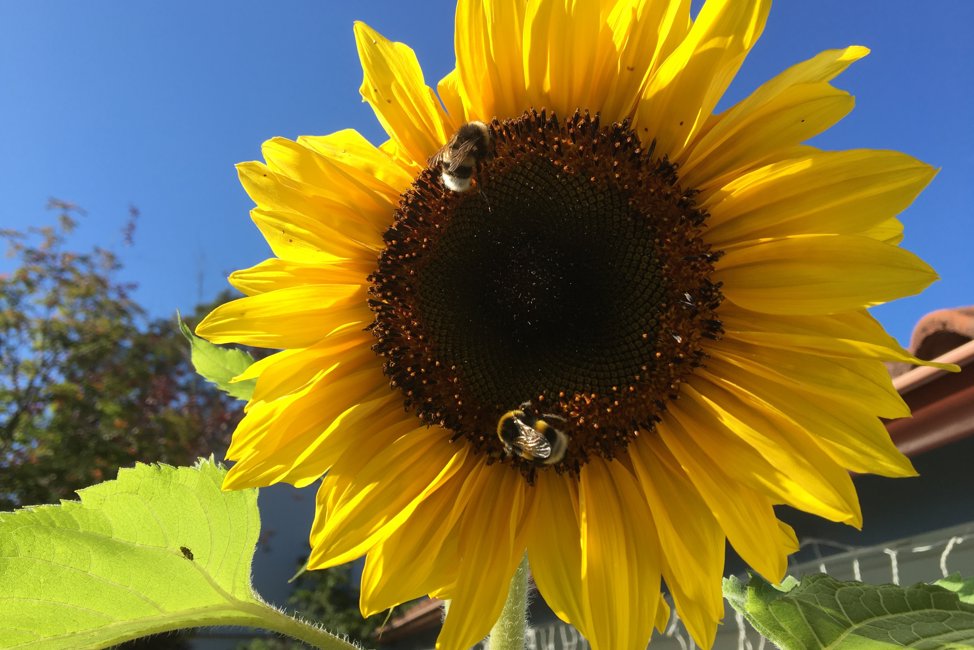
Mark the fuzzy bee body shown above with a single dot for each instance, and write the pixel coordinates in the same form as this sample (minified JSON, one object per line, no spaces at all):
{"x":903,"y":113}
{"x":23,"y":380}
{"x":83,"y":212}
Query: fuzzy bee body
{"x":532,"y":436}
{"x":462,"y":156}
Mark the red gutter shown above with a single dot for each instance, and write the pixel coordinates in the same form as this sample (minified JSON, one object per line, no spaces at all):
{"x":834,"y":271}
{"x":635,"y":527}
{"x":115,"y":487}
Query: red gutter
{"x":942,"y":403}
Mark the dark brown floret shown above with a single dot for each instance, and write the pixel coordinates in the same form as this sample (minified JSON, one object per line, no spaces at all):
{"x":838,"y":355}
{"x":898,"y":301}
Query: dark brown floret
{"x":574,"y":276}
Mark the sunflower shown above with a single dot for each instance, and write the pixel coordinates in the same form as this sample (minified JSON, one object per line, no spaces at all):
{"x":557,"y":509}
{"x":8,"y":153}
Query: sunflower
{"x":640,"y":328}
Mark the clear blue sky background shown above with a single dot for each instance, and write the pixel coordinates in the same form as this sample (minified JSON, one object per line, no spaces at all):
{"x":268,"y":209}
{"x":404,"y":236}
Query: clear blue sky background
{"x":110,"y":103}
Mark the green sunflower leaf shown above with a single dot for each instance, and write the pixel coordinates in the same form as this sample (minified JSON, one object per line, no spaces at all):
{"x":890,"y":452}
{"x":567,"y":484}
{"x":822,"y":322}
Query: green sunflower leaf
{"x":158,"y":549}
{"x":823,"y":613}
{"x":219,"y":365}
{"x":963,"y":588}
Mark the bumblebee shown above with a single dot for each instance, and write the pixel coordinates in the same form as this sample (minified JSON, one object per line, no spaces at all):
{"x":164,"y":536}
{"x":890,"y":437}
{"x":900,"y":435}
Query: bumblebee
{"x":533,"y":436}
{"x":462,"y":155}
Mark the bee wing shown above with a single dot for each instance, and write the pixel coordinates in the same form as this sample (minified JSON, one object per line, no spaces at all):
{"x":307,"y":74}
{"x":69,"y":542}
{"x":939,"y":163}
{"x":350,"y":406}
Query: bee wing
{"x":459,"y":153}
{"x":531,"y":441}
{"x":436,"y":158}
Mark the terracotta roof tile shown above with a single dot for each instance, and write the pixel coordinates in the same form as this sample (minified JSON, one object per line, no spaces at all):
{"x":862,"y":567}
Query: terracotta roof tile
{"x":936,"y":333}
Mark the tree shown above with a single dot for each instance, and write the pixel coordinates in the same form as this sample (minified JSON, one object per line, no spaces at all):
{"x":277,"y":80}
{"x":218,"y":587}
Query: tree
{"x":88,"y":383}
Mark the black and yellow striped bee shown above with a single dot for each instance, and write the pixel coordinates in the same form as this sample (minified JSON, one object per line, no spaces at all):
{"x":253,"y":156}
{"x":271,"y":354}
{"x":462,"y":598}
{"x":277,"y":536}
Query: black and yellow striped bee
{"x":462,"y":156}
{"x":533,"y":436}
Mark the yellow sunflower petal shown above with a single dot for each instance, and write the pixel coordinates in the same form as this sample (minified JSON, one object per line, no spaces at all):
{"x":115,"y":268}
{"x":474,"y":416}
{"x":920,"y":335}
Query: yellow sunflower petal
{"x":830,"y":192}
{"x":687,"y":86}
{"x":787,"y":534}
{"x":406,"y":107}
{"x":385,"y":428}
{"x":329,"y":213}
{"x":566,"y":78}
{"x":349,"y":453}
{"x":275,"y":273}
{"x":310,"y":460}
{"x":302,"y":238}
{"x":449,"y":91}
{"x":793,"y":116}
{"x":295,"y":317}
{"x":851,"y":435}
{"x":421,"y":556}
{"x":691,"y":540}
{"x":819,"y":274}
{"x":854,"y":334}
{"x":254,"y":370}
{"x":645,"y":32}
{"x":362,"y":160}
{"x":662,"y":616}
{"x":491,"y":545}
{"x":794,"y":106}
{"x":889,"y":232}
{"x":383,"y":496}
{"x":345,"y":184}
{"x":557,"y":567}
{"x":296,"y":439}
{"x":288,"y":371}
{"x":827,"y":380}
{"x":770,"y":452}
{"x":745,"y":515}
{"x":489,"y":73}
{"x":620,"y":558}
{"x":706,"y":193}
{"x":824,"y":66}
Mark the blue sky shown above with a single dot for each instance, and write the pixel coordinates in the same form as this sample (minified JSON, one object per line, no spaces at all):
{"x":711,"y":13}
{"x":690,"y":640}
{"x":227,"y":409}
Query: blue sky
{"x":108,"y":104}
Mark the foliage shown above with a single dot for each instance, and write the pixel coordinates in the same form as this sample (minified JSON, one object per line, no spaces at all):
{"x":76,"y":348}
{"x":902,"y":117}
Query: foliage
{"x":821,"y":612}
{"x":87,"y":382}
{"x":219,"y":365}
{"x":158,"y":549}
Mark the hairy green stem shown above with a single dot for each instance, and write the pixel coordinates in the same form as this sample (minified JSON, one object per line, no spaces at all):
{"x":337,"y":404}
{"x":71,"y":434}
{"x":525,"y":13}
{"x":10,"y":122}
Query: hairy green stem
{"x":508,"y":631}
{"x":271,"y":619}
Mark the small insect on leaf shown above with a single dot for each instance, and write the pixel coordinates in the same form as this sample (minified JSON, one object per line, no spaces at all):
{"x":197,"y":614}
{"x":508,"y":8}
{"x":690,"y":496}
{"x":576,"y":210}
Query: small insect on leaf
{"x":188,"y":554}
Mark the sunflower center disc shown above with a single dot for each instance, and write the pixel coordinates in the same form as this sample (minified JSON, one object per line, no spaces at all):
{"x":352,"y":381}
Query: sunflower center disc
{"x":573,"y":276}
